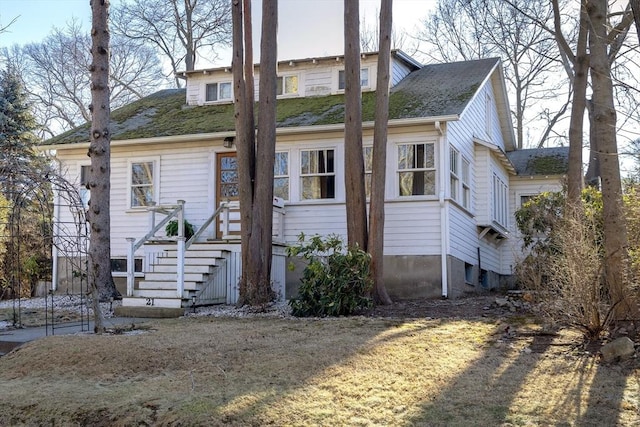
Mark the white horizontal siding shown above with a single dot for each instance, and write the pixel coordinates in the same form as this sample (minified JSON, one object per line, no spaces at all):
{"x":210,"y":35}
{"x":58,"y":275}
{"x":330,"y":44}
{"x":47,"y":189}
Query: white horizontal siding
{"x":463,"y":236}
{"x":398,"y":72}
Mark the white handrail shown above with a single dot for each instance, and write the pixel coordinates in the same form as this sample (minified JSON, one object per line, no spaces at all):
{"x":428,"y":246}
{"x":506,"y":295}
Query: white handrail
{"x":170,"y":211}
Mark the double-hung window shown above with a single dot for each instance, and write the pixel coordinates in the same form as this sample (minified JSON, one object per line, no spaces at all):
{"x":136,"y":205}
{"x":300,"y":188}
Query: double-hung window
{"x":500,"y":207}
{"x":454,"y":173}
{"x":281,"y":175}
{"x":84,"y":191}
{"x":142,"y":184}
{"x":364,"y":78}
{"x":416,"y":169}
{"x":287,"y":85}
{"x":317,"y":174}
{"x":368,"y":168}
{"x":218,"y":92}
{"x":466,"y":184}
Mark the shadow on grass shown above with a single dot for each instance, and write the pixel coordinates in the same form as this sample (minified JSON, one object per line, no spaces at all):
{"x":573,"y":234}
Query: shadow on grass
{"x":502,"y":390}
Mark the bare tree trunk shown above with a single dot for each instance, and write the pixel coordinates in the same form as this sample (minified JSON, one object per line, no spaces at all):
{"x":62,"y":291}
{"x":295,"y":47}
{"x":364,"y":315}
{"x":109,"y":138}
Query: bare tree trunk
{"x":260,"y":242}
{"x":99,"y":269}
{"x":576,"y":126}
{"x":604,"y":116}
{"x":255,"y":166}
{"x":354,"y":161}
{"x":635,"y":7}
{"x":244,"y":140}
{"x":378,"y":184}
{"x":593,"y":174}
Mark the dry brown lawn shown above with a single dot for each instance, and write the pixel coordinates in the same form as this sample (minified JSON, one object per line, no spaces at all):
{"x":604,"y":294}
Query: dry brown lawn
{"x":355,"y":371}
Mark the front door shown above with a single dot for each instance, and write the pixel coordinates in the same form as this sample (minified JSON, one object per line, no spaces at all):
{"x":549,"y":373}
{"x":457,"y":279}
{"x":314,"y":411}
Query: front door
{"x":227,"y":190}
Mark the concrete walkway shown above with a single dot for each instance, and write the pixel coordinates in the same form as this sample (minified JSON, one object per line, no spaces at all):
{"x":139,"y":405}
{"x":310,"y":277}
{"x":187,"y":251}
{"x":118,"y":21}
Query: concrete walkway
{"x":12,"y":338}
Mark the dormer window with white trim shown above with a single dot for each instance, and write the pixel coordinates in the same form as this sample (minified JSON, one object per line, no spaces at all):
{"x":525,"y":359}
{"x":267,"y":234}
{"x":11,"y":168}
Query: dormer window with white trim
{"x":364,"y":78}
{"x":287,"y":85}
{"x":218,"y":92}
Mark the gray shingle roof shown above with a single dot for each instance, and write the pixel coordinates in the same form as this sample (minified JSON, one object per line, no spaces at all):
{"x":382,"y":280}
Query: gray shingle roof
{"x":446,"y":89}
{"x":432,"y":91}
{"x":540,"y":161}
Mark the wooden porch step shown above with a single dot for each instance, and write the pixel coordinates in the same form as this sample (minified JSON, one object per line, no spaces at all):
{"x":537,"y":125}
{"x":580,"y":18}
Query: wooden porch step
{"x":188,"y":276}
{"x":195,"y":253}
{"x":166,"y":285}
{"x":161,"y":296}
{"x":204,"y":268}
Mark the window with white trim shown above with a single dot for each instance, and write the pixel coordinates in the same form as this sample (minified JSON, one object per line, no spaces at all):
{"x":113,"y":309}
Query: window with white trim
{"x":364,"y":78}
{"x":287,"y":85}
{"x":119,"y":266}
{"x":142,"y":191}
{"x":500,"y":199}
{"x":454,"y":173}
{"x":368,"y":168}
{"x":317,"y":174}
{"x":218,"y":92}
{"x":416,"y":169}
{"x":83,"y":191}
{"x":466,"y":184}
{"x":281,"y":175}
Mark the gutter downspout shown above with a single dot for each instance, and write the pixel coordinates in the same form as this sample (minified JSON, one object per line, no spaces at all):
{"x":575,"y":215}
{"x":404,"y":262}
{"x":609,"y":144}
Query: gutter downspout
{"x":444,"y":214}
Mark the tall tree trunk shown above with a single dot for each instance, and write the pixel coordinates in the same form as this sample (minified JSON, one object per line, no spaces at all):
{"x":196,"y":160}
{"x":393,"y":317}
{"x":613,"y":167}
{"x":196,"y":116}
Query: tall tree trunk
{"x":604,"y":116}
{"x":635,"y":7}
{"x":576,"y":126}
{"x":260,"y":242}
{"x":99,"y":269}
{"x":593,"y":174}
{"x":354,"y":161}
{"x":378,"y":175}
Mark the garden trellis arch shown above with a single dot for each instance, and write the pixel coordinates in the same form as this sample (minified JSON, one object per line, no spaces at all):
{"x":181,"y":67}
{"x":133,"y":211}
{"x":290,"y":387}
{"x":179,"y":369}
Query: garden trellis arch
{"x":43,"y":234}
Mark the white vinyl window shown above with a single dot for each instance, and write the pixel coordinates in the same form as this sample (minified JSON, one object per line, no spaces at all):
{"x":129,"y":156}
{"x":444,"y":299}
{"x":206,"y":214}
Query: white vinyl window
{"x":287,"y":85}
{"x":500,"y":207}
{"x":364,"y":78}
{"x":466,"y":184}
{"x":416,"y":169}
{"x":142,"y":184}
{"x":218,"y":92}
{"x":317,"y":174}
{"x":454,"y":173}
{"x":83,"y":191}
{"x":281,"y":175}
{"x":368,"y":168}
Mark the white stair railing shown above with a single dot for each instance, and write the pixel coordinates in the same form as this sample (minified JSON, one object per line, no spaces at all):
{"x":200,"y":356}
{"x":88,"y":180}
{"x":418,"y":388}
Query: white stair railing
{"x":170,"y":211}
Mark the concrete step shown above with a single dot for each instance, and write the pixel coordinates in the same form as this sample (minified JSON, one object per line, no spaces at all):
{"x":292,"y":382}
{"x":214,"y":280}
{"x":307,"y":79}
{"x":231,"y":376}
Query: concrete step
{"x":188,"y":277}
{"x":166,"y":285}
{"x":152,"y":302}
{"x":146,"y":311}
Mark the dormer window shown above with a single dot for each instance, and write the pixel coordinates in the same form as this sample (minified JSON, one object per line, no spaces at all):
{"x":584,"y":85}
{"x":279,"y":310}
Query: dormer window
{"x":287,"y":85}
{"x":218,"y":92}
{"x":364,"y":78}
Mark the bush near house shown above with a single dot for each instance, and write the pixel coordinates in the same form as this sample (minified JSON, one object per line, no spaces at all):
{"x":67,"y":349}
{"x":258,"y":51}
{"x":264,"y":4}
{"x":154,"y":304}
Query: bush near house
{"x":336,"y":279}
{"x":565,"y":262}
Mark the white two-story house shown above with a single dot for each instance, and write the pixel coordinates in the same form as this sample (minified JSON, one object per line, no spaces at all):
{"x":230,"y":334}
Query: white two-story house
{"x":454,"y":177}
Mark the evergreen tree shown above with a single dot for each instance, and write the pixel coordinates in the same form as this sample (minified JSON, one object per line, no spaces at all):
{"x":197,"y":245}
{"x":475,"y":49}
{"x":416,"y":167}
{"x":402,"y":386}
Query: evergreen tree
{"x":17,"y":134}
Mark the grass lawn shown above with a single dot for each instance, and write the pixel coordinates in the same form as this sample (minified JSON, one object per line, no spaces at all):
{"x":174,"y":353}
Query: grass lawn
{"x":326,"y":372}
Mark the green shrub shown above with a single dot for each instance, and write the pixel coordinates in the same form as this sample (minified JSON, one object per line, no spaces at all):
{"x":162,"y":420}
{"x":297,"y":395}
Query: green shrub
{"x":172,"y":229}
{"x":335,"y":281}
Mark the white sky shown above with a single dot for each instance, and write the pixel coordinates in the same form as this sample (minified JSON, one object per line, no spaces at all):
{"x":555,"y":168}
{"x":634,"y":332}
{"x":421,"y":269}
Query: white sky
{"x":307,"y":28}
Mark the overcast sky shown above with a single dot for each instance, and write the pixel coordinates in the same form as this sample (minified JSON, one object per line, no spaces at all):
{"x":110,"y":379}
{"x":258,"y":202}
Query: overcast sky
{"x":306,"y":28}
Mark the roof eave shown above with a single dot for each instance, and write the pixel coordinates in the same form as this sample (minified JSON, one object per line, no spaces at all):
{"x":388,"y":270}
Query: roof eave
{"x":279,"y":131}
{"x":500,"y":154}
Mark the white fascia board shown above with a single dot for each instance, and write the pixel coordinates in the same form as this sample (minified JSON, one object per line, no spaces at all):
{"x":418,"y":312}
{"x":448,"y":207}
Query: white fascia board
{"x":221,"y":135}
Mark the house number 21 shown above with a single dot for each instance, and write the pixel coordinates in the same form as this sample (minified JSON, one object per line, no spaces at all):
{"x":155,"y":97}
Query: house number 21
{"x":150,"y":301}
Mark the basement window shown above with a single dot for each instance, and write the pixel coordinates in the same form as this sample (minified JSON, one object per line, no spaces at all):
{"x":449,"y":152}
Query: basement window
{"x":119,"y":267}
